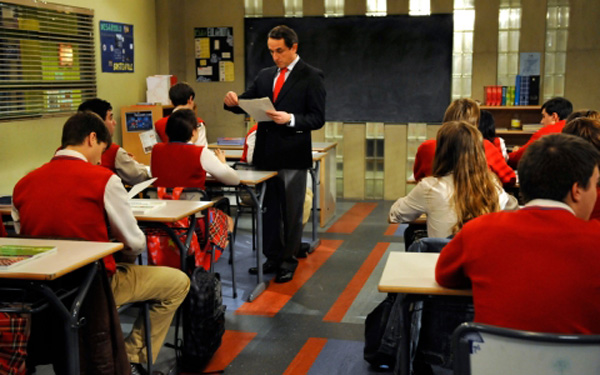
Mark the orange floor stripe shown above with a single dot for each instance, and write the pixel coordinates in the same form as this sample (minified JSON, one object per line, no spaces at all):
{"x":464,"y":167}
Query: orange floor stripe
{"x":344,"y":301}
{"x":277,"y":295}
{"x":352,"y":218}
{"x":391,"y":229}
{"x":232,"y":344}
{"x":306,"y":356}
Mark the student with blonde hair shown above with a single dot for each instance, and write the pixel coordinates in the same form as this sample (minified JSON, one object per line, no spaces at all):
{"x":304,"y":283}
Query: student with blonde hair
{"x":461,"y":187}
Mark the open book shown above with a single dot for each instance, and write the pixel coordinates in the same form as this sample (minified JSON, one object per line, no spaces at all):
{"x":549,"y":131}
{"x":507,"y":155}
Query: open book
{"x":142,"y":206}
{"x":16,"y":255}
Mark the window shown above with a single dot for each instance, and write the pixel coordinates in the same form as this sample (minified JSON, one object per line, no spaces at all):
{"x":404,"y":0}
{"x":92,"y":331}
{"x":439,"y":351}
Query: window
{"x":374,"y":160}
{"x":293,"y":8}
{"x":334,"y":132}
{"x":47,"y":60}
{"x":377,"y":8}
{"x":462,"y":55}
{"x":419,"y":8}
{"x":509,"y":31}
{"x":334,"y":8}
{"x":555,"y":56}
{"x":253,"y":8}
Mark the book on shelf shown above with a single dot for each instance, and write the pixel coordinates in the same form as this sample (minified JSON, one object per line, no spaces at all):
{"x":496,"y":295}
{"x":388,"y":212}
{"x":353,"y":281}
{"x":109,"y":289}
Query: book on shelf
{"x":144,"y":206}
{"x":534,"y":90}
{"x":16,"y":255}
{"x":532,"y":127}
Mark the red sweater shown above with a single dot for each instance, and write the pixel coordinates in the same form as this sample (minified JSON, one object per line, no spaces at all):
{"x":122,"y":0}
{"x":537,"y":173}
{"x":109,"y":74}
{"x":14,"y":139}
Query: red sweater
{"x":52,"y":201}
{"x":160,"y":127}
{"x":426,"y":152}
{"x":177,"y":164}
{"x":109,"y":156}
{"x":515,"y":156}
{"x":532,"y":269}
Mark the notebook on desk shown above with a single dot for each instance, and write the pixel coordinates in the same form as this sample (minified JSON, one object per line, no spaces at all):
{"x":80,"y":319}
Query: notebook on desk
{"x":16,"y":255}
{"x":142,"y":206}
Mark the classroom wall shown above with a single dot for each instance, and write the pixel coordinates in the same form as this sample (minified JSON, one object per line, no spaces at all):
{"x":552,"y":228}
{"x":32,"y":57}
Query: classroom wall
{"x":27,"y":144}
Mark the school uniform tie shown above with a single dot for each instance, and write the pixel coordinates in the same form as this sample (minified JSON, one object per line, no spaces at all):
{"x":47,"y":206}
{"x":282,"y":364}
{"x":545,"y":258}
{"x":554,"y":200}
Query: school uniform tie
{"x":279,"y":83}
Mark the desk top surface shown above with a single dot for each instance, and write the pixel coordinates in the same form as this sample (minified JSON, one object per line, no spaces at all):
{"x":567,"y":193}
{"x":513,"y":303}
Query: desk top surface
{"x":5,"y":209}
{"x":414,"y":273}
{"x":69,"y":256}
{"x":316,"y":146}
{"x":173,"y":210}
{"x":237,"y":155}
{"x":247,"y":177}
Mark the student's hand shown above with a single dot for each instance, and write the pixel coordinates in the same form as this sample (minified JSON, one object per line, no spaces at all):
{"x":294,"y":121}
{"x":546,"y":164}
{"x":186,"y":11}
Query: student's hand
{"x":221,"y":155}
{"x":280,"y":117}
{"x":231,"y":99}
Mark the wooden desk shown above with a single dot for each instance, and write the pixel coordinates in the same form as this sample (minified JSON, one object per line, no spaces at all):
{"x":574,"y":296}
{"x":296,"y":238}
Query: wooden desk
{"x":412,"y":274}
{"x":5,"y":209}
{"x":252,"y":181}
{"x":36,"y":274}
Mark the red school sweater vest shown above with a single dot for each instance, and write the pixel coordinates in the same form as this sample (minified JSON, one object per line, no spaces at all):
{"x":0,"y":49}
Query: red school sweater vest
{"x":177,"y":164}
{"x":65,"y":198}
{"x":109,"y":156}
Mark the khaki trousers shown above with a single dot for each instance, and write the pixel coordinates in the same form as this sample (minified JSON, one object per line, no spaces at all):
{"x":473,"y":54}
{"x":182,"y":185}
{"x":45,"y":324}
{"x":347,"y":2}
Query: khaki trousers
{"x":166,"y":287}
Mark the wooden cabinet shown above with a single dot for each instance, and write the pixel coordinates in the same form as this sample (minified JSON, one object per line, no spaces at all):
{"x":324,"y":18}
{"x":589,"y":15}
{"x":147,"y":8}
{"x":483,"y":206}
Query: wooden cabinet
{"x":528,"y":114}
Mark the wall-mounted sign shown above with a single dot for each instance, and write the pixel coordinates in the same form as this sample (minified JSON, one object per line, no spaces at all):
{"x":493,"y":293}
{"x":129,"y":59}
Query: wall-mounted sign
{"x":116,"y":44}
{"x":214,"y":54}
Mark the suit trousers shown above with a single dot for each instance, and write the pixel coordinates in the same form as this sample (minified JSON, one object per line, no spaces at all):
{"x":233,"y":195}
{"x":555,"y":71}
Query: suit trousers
{"x":282,"y":226}
{"x":166,"y":287}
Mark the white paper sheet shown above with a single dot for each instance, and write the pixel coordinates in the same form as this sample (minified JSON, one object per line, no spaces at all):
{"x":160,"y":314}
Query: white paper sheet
{"x":257,"y":108}
{"x":138,"y":188}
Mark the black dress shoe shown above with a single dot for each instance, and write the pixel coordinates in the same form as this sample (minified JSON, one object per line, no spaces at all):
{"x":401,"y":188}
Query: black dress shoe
{"x":138,"y":369}
{"x":283,"y":276}
{"x":303,"y":250}
{"x":268,"y":267}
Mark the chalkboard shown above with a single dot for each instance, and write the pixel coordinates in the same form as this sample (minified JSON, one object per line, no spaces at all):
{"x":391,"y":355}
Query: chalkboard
{"x":380,"y":69}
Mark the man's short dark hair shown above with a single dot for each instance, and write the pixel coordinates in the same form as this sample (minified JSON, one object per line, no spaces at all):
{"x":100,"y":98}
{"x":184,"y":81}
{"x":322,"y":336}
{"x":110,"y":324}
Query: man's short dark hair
{"x":180,"y":93}
{"x":286,"y":33}
{"x":180,"y":125}
{"x":96,"y":105}
{"x":552,"y":164}
{"x":561,"y":106}
{"x":82,"y":124}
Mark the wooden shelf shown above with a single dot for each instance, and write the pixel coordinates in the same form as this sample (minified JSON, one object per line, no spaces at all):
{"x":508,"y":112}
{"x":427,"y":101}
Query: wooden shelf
{"x":528,"y":114}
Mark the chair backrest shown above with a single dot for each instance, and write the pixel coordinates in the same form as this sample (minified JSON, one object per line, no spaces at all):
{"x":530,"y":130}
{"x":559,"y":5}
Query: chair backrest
{"x":490,"y":350}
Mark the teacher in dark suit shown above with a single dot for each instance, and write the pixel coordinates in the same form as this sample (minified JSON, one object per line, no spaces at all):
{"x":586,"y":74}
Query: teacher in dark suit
{"x":284,"y":145}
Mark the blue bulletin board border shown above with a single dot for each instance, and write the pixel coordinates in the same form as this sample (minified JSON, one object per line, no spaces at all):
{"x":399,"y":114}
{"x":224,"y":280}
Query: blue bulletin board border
{"x":116,"y":47}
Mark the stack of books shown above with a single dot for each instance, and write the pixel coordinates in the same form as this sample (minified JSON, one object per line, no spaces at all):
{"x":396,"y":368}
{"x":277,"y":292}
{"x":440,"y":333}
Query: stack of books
{"x":230,"y":141}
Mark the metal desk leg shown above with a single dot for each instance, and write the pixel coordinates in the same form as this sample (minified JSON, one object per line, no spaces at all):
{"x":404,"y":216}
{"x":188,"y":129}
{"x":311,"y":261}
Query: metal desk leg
{"x":316,"y":181}
{"x":261,"y":285}
{"x":70,"y":318}
{"x":403,"y":352}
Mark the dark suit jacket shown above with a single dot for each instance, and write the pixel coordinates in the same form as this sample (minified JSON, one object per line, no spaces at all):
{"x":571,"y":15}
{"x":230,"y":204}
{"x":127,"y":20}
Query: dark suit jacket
{"x":303,"y":95}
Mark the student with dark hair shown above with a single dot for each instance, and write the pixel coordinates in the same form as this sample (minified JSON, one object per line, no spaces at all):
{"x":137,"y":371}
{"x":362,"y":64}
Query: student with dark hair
{"x":115,"y":157}
{"x":182,"y":163}
{"x":182,"y":96}
{"x":554,"y":114}
{"x":487,"y":127}
{"x":73,"y":197}
{"x":461,"y":188}
{"x":588,"y":129}
{"x":463,"y":109}
{"x":534,"y":269}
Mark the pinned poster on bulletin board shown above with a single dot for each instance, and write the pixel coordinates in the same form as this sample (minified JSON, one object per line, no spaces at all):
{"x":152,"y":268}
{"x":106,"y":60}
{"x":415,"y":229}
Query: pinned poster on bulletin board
{"x":214,"y":54}
{"x":116,"y":40}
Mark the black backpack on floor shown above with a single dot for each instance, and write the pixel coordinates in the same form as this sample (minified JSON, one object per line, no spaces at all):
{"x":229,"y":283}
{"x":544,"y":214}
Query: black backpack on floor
{"x":203,"y":320}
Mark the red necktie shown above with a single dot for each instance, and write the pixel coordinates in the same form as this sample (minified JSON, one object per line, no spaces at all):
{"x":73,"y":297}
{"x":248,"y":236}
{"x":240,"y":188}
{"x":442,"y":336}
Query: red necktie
{"x":279,"y":83}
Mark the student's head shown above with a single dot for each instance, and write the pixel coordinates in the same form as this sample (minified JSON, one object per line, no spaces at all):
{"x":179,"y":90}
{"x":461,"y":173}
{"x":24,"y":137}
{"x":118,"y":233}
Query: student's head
{"x":181,"y":94}
{"x":86,"y":133}
{"x":283,"y":45}
{"x":586,"y":128}
{"x":589,"y":113}
{"x":103,"y":109}
{"x":182,"y":126}
{"x":459,"y":151}
{"x":561,"y":167}
{"x":555,"y":109}
{"x":487,"y":125}
{"x":464,"y":109}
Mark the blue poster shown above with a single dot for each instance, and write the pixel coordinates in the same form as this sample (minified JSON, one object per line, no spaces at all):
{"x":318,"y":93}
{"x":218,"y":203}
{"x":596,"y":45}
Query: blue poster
{"x":116,"y":41}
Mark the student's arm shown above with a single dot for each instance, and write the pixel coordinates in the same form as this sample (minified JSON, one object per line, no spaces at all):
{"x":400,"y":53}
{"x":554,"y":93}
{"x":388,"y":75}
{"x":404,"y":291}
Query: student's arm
{"x":498,"y":165}
{"x":219,"y":170}
{"x":123,"y":225}
{"x":16,"y":218}
{"x":410,"y":207}
{"x":449,"y":270}
{"x":130,"y":171}
{"x":201,"y":141}
{"x":250,"y":142}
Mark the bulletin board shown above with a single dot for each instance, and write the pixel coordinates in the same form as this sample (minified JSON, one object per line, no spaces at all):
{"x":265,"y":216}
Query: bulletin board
{"x":214,"y":54}
{"x":116,"y":41}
